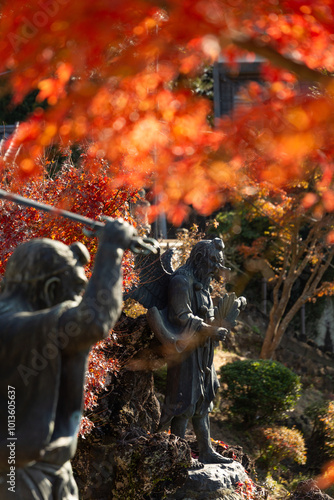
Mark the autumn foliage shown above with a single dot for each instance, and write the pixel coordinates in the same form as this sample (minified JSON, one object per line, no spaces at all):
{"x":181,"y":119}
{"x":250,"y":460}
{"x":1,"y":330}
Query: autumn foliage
{"x":283,"y":443}
{"x":112,"y":74}
{"x":73,"y":189}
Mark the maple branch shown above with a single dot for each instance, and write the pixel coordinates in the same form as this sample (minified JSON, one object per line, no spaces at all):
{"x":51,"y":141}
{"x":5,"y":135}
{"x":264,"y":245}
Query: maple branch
{"x":310,"y":290}
{"x":302,"y":71}
{"x":315,"y":278}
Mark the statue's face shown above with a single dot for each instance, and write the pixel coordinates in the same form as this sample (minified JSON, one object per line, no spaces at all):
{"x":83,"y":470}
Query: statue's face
{"x":73,"y":282}
{"x":216,"y":264}
{"x":67,"y":285}
{"x":211,"y":266}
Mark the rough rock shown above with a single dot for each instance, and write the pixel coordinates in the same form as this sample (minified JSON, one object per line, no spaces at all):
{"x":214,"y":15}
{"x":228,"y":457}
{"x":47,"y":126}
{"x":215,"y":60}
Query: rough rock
{"x":152,"y":465}
{"x":308,"y":490}
{"x":212,"y":481}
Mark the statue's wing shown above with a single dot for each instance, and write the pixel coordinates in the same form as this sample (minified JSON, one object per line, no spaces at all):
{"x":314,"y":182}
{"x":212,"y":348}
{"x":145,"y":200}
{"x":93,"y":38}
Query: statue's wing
{"x":166,"y":260}
{"x":154,"y":275}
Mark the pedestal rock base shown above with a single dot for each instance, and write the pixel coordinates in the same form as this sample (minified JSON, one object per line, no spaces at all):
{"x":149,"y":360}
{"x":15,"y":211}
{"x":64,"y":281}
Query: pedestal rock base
{"x":212,"y":481}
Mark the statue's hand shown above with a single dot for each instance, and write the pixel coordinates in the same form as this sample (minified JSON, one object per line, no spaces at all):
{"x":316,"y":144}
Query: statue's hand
{"x":219,"y":334}
{"x":242,"y":302}
{"x":117,"y":232}
{"x":228,"y":310}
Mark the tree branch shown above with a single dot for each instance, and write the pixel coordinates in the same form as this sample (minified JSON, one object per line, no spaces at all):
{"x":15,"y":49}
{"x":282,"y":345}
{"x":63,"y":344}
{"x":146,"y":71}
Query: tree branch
{"x":302,"y":71}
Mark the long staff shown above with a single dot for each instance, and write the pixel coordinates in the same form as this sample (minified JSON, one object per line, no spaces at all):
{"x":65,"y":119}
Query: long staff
{"x":137,"y":245}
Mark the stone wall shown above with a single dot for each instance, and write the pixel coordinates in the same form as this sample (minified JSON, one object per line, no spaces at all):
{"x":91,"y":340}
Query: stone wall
{"x":319,"y":323}
{"x":305,"y":357}
{"x":308,"y":360}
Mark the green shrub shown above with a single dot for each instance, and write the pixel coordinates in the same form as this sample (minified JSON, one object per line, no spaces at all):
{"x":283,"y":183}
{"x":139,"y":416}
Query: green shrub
{"x":258,"y":391}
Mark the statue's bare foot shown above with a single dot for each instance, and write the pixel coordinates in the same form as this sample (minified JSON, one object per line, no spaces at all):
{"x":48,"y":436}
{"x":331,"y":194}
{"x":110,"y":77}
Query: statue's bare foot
{"x":196,"y":464}
{"x":212,"y":457}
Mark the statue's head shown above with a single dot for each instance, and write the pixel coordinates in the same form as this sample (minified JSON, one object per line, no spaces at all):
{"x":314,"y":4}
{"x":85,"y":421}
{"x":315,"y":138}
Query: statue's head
{"x":47,"y":272}
{"x":207,"y":259}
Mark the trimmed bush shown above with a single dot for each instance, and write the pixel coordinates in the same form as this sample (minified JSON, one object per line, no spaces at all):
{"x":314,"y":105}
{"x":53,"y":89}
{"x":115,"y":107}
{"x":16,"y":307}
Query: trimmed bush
{"x":259,"y":391}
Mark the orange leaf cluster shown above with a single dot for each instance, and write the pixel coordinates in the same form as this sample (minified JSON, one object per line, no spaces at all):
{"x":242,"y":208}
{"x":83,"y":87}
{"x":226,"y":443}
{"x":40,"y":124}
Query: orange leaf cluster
{"x":105,"y":70}
{"x":87,"y":193}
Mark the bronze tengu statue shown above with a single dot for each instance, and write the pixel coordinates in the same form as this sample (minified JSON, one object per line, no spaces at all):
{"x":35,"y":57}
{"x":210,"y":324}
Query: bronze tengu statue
{"x":183,"y":318}
{"x":50,"y":315}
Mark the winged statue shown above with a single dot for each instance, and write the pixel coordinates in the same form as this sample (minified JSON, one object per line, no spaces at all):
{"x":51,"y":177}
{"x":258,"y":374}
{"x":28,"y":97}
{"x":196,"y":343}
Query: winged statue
{"x":155,"y":274}
{"x":182,"y":316}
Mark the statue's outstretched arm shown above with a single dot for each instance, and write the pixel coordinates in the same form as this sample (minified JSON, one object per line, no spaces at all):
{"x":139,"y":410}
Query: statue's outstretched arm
{"x":101,"y":304}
